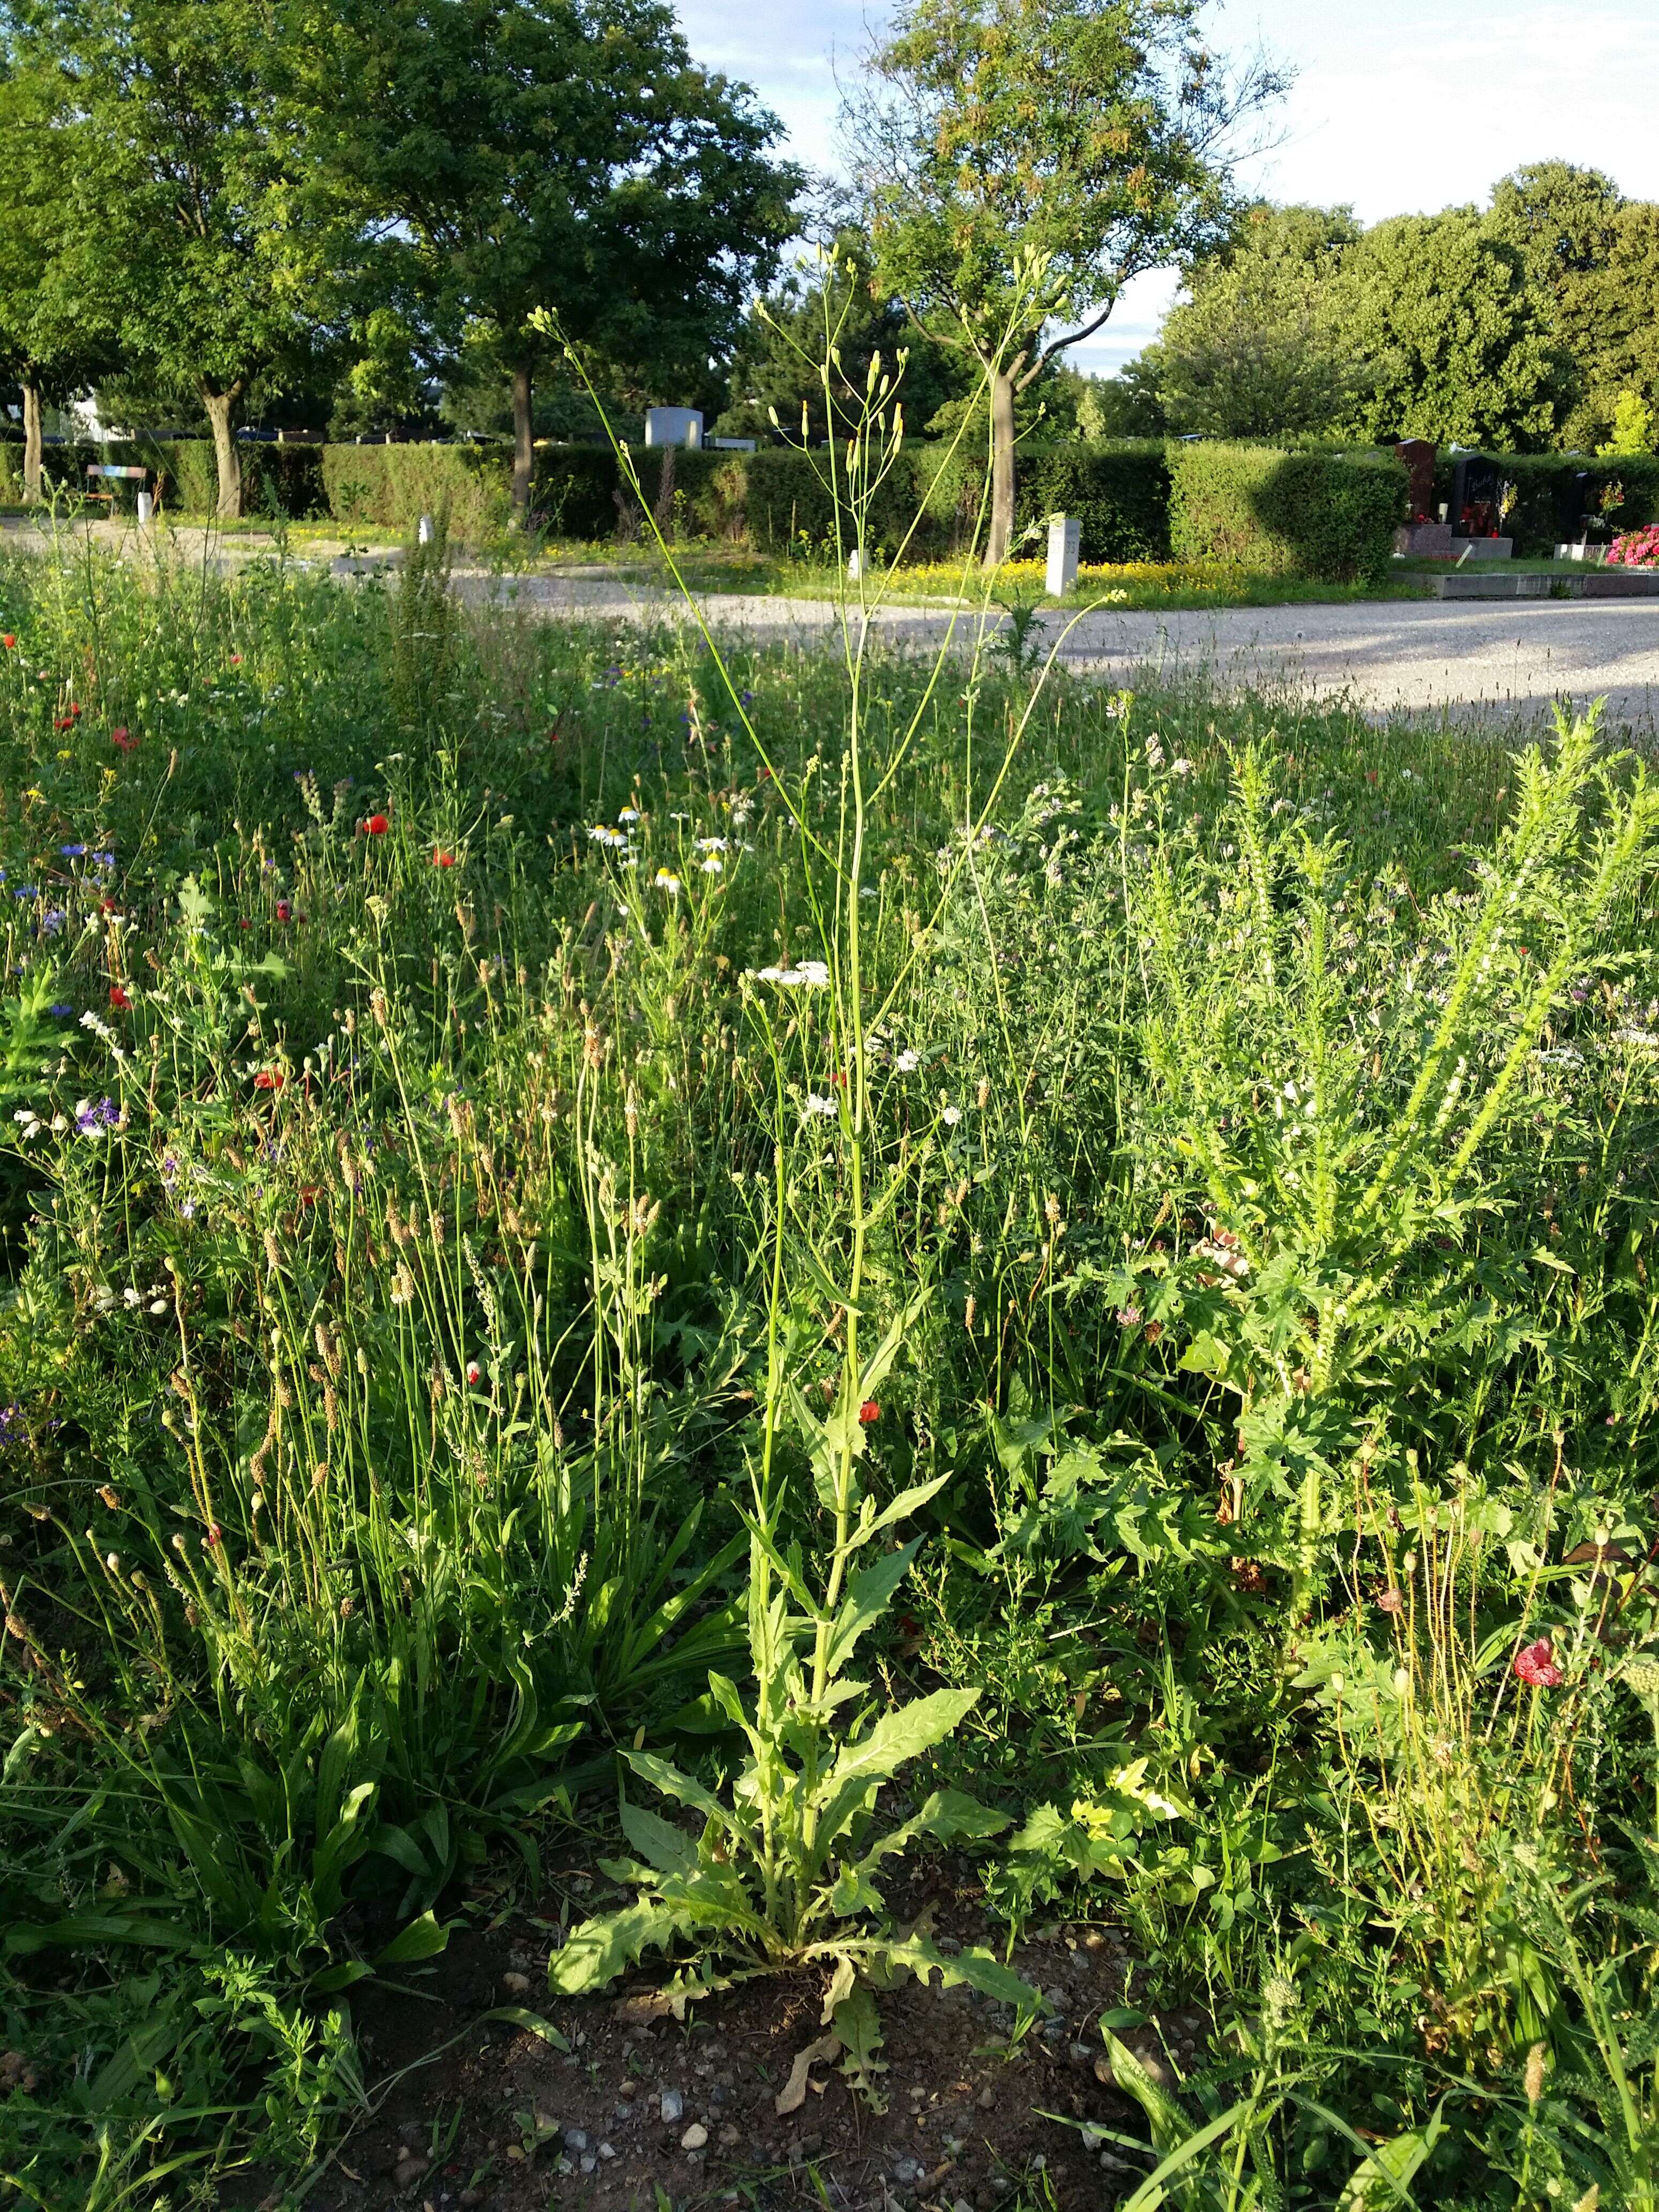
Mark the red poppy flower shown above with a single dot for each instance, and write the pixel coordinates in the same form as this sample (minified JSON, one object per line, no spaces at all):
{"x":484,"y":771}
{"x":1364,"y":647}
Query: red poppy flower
{"x":236,"y":659}
{"x":1535,"y":1663}
{"x":118,"y":999}
{"x":284,"y":911}
{"x":123,"y":737}
{"x":377,"y":825}
{"x":244,"y":923}
{"x":75,"y":708}
{"x":62,"y":722}
{"x":869,"y":1411}
{"x":9,"y":643}
{"x":443,"y":859}
{"x":267,"y":1079}
{"x":838,"y":1080}
{"x":474,"y":1373}
{"x":308,"y":1194}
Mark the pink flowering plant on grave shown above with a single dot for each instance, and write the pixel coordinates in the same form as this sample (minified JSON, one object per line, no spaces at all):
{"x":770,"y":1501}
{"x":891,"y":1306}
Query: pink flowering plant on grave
{"x":1636,"y":548}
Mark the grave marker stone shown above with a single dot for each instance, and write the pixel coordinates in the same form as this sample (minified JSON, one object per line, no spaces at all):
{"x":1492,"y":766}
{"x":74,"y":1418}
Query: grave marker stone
{"x":1065,"y":534}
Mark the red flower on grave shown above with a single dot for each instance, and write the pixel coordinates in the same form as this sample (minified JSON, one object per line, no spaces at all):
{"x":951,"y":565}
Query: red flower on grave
{"x":118,"y":999}
{"x":1535,"y":1663}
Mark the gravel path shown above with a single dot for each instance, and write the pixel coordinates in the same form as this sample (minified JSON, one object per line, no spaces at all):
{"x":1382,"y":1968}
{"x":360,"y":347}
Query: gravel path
{"x":1473,"y":661}
{"x":1468,"y":660}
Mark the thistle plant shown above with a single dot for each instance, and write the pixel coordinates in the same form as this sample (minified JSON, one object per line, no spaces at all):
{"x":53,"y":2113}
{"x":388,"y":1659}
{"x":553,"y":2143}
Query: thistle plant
{"x":1340,"y":1153}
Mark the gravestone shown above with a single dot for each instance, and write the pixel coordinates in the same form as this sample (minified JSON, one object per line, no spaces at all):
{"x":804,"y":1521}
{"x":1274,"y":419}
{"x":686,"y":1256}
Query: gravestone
{"x":1065,"y":533}
{"x":674,"y":426}
{"x":1425,"y":533}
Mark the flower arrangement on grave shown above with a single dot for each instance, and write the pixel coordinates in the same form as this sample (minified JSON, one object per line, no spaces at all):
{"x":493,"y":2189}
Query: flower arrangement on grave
{"x":1636,"y":548}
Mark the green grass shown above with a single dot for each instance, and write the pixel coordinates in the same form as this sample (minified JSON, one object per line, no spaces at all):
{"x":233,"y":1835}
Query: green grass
{"x":427,"y":1234}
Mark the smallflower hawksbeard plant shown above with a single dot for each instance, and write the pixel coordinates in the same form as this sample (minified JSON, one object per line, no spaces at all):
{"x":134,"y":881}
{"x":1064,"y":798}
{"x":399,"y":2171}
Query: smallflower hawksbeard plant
{"x":783,"y":1868}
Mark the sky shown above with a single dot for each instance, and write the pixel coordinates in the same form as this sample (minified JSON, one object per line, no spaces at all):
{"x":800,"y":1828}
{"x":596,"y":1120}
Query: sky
{"x":1399,"y":106}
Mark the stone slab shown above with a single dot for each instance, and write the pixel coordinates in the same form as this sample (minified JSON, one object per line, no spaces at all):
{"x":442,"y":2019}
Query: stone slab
{"x":1428,"y":540}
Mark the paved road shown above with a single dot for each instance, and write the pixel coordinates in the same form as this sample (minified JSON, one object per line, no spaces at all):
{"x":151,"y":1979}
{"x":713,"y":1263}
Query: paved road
{"x":1473,"y":660}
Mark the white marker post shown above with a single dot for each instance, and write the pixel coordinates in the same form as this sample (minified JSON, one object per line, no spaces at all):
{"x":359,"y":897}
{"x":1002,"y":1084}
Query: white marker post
{"x":1064,"y":533}
{"x":424,"y":533}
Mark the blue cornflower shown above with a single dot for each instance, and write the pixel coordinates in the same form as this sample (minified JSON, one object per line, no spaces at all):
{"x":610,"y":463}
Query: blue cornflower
{"x":72,"y":851}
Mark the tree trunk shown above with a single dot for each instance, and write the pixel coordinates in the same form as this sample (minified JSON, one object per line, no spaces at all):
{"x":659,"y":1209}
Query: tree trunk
{"x":221,"y":413}
{"x":1002,"y":470}
{"x":524,"y":447}
{"x":30,"y":443}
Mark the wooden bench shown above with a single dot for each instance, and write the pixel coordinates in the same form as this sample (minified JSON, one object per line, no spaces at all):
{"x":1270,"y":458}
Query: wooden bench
{"x":108,"y":472}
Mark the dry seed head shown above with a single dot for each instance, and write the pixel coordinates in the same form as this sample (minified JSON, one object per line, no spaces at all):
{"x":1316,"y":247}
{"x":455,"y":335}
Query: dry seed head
{"x":110,"y":1496}
{"x":983,"y":1093}
{"x":971,"y":1308}
{"x":271,"y":1252}
{"x":330,"y":1409}
{"x":328,"y":1351}
{"x":1534,"y":2076}
{"x":320,"y":1474}
{"x":377,"y":1007}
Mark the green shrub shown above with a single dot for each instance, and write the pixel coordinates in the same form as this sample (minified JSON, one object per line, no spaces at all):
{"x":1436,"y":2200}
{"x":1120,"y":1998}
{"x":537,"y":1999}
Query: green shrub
{"x":1325,"y":515}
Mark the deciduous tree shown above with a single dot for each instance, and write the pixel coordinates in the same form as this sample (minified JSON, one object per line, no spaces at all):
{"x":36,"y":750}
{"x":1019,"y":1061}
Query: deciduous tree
{"x":565,"y":156}
{"x":1256,"y":349}
{"x":1455,"y":337}
{"x":211,"y":238}
{"x":1020,"y":159}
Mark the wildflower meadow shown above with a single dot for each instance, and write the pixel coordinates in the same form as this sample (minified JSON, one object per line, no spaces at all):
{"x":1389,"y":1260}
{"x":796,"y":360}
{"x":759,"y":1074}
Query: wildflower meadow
{"x":811,"y":1426}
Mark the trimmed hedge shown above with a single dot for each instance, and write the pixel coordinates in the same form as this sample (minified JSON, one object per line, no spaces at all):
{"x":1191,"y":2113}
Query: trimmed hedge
{"x":1555,"y":490}
{"x":392,"y":486}
{"x":773,"y":499}
{"x":1327,"y":515}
